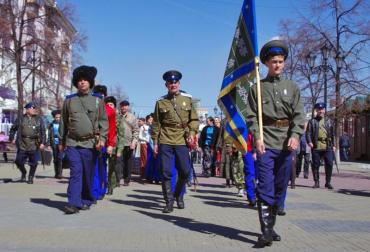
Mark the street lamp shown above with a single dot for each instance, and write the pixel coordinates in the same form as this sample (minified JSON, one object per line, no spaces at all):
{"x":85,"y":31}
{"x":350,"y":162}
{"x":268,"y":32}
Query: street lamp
{"x":311,"y":58}
{"x":215,"y":110}
{"x":325,"y":50}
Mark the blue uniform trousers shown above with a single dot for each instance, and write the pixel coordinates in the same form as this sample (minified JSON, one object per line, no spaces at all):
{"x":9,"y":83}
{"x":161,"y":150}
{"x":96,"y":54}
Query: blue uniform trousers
{"x":21,"y":159}
{"x":152,"y":173}
{"x":182,"y":161}
{"x":250,"y":176}
{"x":82,"y":163}
{"x":273,"y":173}
{"x":100,"y":181}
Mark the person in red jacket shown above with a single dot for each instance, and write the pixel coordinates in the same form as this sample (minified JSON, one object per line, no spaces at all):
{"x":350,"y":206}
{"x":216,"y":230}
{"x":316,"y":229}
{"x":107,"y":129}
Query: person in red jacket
{"x":113,"y":175}
{"x":100,"y":180}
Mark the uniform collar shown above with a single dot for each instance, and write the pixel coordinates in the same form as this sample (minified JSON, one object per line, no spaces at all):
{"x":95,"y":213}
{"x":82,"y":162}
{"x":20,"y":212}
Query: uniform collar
{"x":273,"y":78}
{"x":83,"y":94}
{"x":173,"y":95}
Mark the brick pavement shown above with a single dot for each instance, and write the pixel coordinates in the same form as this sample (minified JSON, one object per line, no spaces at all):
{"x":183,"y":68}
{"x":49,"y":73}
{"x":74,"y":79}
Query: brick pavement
{"x":31,"y":217}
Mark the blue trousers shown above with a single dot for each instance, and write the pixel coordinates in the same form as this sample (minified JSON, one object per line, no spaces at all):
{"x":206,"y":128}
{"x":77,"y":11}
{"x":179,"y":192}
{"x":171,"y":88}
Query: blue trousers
{"x":22,"y":157}
{"x":180,"y":154}
{"x":152,"y":172}
{"x":99,"y":183}
{"x":274,"y":169}
{"x":82,"y":163}
{"x":250,"y":176}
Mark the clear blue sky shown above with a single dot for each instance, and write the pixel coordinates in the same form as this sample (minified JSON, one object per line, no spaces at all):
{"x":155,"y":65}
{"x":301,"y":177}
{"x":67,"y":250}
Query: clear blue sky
{"x":133,"y":42}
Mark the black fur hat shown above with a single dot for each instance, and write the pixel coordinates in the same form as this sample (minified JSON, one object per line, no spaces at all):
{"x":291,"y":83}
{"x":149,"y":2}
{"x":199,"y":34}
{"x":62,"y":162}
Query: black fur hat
{"x":56,"y":112}
{"x":100,"y":89}
{"x":85,"y":72}
{"x":111,"y":99}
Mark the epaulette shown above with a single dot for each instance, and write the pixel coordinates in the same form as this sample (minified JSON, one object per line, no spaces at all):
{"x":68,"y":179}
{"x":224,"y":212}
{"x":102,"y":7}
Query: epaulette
{"x":97,"y":95}
{"x":71,"y":96}
{"x":162,"y":97}
{"x":186,"y":94}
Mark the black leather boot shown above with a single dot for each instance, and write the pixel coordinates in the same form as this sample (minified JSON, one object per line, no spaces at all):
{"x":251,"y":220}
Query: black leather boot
{"x":275,"y":236}
{"x":168,"y":196}
{"x":59,"y":170}
{"x":316,"y":175}
{"x":178,"y":195}
{"x":23,"y":177}
{"x":23,"y":172}
{"x":228,"y":183}
{"x":32,"y":174}
{"x":266,"y":222}
{"x":30,"y":180}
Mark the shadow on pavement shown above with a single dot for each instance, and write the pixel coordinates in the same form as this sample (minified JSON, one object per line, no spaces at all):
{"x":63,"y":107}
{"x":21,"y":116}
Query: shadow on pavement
{"x":9,"y":180}
{"x":204,"y":228}
{"x":49,"y":203}
{"x":139,"y":204}
{"x":43,"y":177}
{"x":148,"y":192}
{"x":223,"y":201}
{"x":63,"y":195}
{"x":145,"y":197}
{"x":354,"y":192}
{"x":216,"y":192}
{"x":211,"y":185}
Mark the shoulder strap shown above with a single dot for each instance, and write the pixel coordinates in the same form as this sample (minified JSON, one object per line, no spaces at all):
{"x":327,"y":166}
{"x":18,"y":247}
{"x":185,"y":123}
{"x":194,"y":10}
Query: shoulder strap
{"x":87,"y":113}
{"x":177,"y":113}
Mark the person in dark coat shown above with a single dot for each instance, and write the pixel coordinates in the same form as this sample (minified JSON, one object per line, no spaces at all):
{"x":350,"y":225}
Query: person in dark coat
{"x":31,"y":138}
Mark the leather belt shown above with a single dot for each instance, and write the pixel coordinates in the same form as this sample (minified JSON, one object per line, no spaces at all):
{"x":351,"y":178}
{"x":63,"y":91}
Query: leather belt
{"x":30,"y":137}
{"x":83,"y":138}
{"x":172,"y":125}
{"x":276,"y":123}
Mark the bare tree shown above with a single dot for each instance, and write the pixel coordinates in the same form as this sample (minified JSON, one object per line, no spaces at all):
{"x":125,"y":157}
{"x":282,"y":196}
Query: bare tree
{"x":29,"y":38}
{"x":344,"y":27}
{"x":118,"y":92}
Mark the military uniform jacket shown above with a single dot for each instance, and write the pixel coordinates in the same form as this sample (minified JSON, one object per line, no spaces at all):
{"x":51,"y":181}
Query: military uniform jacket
{"x":83,"y":116}
{"x":30,"y":133}
{"x":281,"y":100}
{"x":312,"y":132}
{"x":167,"y":127}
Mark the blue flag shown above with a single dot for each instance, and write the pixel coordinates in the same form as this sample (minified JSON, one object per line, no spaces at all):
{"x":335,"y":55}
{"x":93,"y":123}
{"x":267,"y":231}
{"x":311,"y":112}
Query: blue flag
{"x":239,"y":75}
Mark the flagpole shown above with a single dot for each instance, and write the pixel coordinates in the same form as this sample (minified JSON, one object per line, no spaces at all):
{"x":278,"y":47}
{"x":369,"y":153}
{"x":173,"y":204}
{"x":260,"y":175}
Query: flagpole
{"x":259,"y":97}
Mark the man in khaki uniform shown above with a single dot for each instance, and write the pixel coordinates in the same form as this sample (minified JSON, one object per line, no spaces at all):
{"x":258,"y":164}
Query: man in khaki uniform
{"x":30,"y":139}
{"x":321,"y":138}
{"x":175,"y":123}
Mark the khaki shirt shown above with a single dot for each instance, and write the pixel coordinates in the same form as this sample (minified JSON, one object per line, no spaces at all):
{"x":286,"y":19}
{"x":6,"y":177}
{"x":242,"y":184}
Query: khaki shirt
{"x":167,"y":127}
{"x":281,"y":100}
{"x":83,"y":116}
{"x":322,"y":135}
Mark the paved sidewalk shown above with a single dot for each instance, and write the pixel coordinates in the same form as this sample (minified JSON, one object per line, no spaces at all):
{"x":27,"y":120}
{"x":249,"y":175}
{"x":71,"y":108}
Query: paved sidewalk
{"x":31,"y":217}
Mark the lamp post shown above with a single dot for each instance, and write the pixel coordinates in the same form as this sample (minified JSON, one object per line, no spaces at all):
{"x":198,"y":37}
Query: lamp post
{"x":34,"y":49}
{"x":215,"y":110}
{"x":339,"y":60}
{"x":325,"y":50}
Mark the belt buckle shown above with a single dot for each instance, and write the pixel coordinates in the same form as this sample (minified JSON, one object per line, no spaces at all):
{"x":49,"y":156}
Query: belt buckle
{"x":279,"y":123}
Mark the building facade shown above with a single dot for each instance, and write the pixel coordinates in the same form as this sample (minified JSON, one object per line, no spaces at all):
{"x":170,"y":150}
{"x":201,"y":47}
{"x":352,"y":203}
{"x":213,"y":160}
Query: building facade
{"x":44,"y":47}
